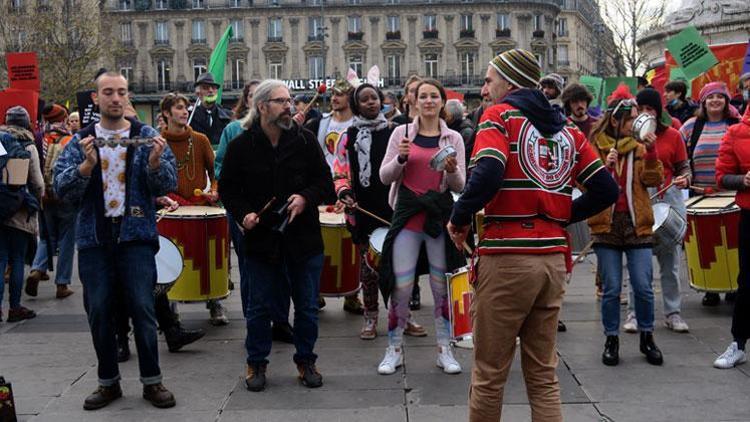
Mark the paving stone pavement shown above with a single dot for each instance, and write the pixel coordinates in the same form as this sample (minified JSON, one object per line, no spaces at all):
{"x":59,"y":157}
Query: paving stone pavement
{"x":50,"y":361}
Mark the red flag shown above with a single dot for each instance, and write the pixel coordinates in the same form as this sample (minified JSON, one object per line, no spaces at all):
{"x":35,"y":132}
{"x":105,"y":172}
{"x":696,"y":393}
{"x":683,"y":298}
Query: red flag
{"x":731,"y":59}
{"x":27,"y":99}
{"x":23,"y":71}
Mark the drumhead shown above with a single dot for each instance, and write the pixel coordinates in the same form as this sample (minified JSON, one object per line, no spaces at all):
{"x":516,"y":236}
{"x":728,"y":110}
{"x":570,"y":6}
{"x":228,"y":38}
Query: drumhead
{"x":168,"y":262}
{"x":196,"y":212}
{"x":712,"y":205}
{"x":377,"y":239}
{"x":332,"y":219}
{"x":661,"y":212}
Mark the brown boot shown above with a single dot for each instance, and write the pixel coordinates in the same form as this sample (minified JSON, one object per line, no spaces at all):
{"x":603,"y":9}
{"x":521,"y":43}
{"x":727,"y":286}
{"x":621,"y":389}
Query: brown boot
{"x":102,"y":397}
{"x":158,"y":395}
{"x":32,"y":282}
{"x":63,"y":291}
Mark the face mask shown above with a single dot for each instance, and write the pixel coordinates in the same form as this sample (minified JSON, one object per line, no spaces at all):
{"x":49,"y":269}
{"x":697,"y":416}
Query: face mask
{"x":674,"y":102}
{"x":387,"y":108}
{"x":746,"y":95}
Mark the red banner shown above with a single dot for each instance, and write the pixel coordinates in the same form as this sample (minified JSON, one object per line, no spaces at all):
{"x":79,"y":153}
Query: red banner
{"x":23,"y":71}
{"x":731,"y":58}
{"x":27,"y":99}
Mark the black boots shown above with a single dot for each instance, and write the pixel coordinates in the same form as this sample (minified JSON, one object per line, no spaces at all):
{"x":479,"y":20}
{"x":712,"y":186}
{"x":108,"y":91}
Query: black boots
{"x":255,"y":380}
{"x":611,"y":355}
{"x":177,"y":337}
{"x":648,"y":348}
{"x":102,"y":397}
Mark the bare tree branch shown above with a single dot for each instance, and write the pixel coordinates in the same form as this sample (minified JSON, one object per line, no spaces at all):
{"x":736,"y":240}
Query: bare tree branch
{"x":629,"y":21}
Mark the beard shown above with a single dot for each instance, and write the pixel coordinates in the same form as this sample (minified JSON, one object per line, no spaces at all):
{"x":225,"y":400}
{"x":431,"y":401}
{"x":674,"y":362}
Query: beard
{"x":284,"y":121}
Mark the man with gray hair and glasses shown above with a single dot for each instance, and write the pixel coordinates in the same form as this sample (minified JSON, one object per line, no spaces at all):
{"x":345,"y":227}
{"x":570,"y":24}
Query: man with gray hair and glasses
{"x":273,"y":179}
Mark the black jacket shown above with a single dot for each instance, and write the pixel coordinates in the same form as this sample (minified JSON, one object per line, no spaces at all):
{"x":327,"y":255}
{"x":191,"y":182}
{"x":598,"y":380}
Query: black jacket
{"x":254,"y":172}
{"x":220,"y":118}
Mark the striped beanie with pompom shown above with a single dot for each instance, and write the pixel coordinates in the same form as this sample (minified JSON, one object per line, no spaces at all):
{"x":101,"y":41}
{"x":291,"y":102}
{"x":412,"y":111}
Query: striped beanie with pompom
{"x":519,"y":67}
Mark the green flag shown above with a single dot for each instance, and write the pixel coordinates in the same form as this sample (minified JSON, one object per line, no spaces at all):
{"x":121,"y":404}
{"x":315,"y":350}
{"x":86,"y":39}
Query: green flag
{"x":594,"y":85}
{"x":691,"y":52}
{"x":678,"y":74}
{"x":218,"y":61}
{"x":610,"y":84}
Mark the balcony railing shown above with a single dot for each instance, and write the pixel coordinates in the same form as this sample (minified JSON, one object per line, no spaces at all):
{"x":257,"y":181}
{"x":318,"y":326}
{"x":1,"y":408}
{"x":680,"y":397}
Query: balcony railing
{"x":225,"y":4}
{"x":236,"y":39}
{"x":539,"y":33}
{"x":198,"y":41}
{"x":430,"y":33}
{"x":563,"y":62}
{"x":393,"y":35}
{"x":563,"y":33}
{"x":318,"y":37}
{"x":466,"y":33}
{"x":502,"y":33}
{"x":275,"y":39}
{"x":355,"y":36}
{"x":184,"y":87}
{"x":161,"y":42}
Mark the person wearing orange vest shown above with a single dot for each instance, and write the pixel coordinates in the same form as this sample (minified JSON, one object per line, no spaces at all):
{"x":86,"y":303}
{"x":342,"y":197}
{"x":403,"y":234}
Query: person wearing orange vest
{"x":59,"y":216}
{"x":526,"y":159}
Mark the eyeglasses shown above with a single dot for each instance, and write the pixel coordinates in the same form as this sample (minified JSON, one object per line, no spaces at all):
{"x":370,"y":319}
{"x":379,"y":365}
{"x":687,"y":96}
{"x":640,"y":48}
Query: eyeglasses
{"x":625,"y":104}
{"x":281,"y":101}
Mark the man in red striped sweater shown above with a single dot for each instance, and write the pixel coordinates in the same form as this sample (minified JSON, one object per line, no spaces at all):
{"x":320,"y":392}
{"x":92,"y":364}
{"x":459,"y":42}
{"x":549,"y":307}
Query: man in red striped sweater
{"x":525,"y":162}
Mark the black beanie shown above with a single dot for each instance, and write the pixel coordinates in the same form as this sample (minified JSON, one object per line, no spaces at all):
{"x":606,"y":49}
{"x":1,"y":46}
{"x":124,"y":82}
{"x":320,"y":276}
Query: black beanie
{"x":649,"y":97}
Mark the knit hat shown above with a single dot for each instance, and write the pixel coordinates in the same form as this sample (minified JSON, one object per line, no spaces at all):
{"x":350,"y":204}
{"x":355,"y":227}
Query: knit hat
{"x":714,"y":88}
{"x":649,"y":97}
{"x":519,"y":67}
{"x":54,"y":113}
{"x":18,"y":116}
{"x":342,"y":86}
{"x":555,"y":80}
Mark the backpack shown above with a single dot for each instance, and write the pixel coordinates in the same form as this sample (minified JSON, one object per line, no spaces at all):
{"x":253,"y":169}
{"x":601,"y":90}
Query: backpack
{"x":55,"y":143}
{"x":14,"y":169}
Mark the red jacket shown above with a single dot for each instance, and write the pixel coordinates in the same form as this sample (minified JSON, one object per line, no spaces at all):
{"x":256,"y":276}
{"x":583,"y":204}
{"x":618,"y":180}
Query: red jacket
{"x":734,"y":156}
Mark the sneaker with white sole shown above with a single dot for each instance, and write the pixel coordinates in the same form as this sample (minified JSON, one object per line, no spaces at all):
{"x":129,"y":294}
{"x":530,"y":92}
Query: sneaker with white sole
{"x":732,"y":357}
{"x":394,"y":357}
{"x":631,"y":324}
{"x":446,"y":361}
{"x":675,"y":323}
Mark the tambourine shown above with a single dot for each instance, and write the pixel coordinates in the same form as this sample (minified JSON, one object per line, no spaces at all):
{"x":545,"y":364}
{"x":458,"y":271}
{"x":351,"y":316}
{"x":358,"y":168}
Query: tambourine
{"x":123,"y":142}
{"x":643,"y":125}
{"x":437,"y":162}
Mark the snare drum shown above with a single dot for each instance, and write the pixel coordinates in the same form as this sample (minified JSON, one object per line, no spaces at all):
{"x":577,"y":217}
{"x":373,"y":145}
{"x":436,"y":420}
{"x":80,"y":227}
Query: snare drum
{"x":669,"y":227}
{"x":580,"y":232}
{"x":168,"y":266}
{"x":375,"y":248}
{"x":711,"y":242}
{"x":202,"y":236}
{"x":460,"y":296}
{"x":340,"y":276}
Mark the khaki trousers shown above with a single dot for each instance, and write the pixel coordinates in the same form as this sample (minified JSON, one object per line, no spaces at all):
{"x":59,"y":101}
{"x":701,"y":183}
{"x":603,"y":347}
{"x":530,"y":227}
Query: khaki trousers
{"x":516,"y":295}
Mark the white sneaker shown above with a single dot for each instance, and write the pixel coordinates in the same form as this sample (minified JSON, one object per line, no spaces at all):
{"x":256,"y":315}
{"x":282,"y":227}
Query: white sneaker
{"x":446,"y":360}
{"x":732,"y":357}
{"x":631,"y":324}
{"x":394,"y":357}
{"x":675,"y":323}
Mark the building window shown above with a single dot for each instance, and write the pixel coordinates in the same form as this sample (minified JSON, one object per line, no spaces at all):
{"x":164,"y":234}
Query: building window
{"x":393,"y":23}
{"x":161,"y":35}
{"x":355,"y":1}
{"x":466,"y":23}
{"x":503,"y":21}
{"x":238,"y":72}
{"x":127,"y":72}
{"x":199,"y":67}
{"x":274,"y":69}
{"x":126,"y":33}
{"x":161,"y":5}
{"x":430,"y":65}
{"x":355,"y":63}
{"x":198,"y":4}
{"x":468,"y":60}
{"x":238,"y":30}
{"x":562,"y":27}
{"x":355,"y":24}
{"x":235,"y":3}
{"x":124,"y":4}
{"x":163,"y":69}
{"x":199,"y":32}
{"x":538,"y":22}
{"x":315,"y":28}
{"x":562,"y":55}
{"x":316,"y":67}
{"x":275,"y":33}
{"x":430,"y":22}
{"x":393,"y":63}
{"x":392,"y":1}
{"x":316,"y":2}
{"x":539,"y":59}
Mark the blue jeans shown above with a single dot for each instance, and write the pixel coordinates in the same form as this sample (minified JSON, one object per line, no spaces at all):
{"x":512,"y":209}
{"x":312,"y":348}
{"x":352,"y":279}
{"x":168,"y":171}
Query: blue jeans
{"x":304,"y":280}
{"x":279,"y":307}
{"x":640,"y":269}
{"x":61,"y":226}
{"x":105,"y":271}
{"x":13,"y":244}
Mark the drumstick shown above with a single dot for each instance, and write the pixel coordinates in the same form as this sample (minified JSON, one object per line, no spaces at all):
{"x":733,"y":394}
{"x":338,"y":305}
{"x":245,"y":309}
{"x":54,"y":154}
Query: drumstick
{"x":161,"y":213}
{"x":267,"y":206}
{"x":662,"y":190}
{"x":706,"y":191}
{"x":586,"y":250}
{"x":364,"y":211}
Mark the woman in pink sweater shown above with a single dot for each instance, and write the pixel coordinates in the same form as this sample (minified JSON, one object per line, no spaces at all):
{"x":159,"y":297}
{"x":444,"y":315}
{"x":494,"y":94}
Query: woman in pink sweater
{"x":422,"y":202}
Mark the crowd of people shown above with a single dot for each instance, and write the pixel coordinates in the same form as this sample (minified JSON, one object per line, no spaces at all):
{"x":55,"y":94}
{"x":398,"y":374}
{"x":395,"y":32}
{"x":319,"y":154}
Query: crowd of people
{"x":518,"y":157}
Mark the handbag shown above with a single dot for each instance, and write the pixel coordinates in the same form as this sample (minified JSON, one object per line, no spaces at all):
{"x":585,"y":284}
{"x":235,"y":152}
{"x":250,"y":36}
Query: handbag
{"x":7,"y":405}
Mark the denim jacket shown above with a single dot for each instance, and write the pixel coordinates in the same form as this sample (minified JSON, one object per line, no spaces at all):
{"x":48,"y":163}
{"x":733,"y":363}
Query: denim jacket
{"x":142,"y":186}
